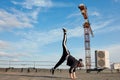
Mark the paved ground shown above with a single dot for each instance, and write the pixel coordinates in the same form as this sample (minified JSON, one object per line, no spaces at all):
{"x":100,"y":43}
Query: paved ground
{"x":59,"y":75}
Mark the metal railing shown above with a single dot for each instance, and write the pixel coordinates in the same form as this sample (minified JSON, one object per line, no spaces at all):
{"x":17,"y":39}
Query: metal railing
{"x":29,"y":64}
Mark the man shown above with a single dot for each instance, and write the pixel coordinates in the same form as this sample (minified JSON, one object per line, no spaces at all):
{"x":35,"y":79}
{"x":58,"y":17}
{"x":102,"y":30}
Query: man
{"x":71,"y":61}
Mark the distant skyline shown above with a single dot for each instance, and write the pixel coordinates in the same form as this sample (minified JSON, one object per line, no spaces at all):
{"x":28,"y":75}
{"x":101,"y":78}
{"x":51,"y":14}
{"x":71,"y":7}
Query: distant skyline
{"x":31,"y":30}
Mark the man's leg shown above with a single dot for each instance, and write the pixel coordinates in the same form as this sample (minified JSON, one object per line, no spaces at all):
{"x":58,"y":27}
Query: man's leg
{"x":62,"y":59}
{"x":71,"y":72}
{"x":74,"y":75}
{"x":65,"y":51}
{"x":71,"y":75}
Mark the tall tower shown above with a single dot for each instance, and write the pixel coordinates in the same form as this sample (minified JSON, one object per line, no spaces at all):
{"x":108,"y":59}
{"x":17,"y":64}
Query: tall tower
{"x":87,"y":45}
{"x":87,"y":31}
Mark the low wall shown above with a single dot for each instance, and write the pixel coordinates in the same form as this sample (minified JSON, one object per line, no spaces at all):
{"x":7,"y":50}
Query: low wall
{"x":28,"y":70}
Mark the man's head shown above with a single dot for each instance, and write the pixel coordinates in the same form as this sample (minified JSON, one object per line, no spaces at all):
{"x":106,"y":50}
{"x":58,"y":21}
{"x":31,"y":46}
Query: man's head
{"x":80,"y":63}
{"x":80,"y":59}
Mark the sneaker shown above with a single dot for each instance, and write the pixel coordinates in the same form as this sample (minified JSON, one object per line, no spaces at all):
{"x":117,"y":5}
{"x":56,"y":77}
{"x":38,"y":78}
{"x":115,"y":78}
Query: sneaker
{"x":52,"y":71}
{"x":64,"y":30}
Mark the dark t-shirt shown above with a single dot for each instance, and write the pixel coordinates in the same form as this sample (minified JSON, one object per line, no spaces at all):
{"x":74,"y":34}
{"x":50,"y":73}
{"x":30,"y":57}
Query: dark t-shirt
{"x":72,"y":62}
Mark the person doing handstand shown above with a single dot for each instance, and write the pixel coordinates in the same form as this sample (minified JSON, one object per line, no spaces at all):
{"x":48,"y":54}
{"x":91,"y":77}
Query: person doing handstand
{"x":71,"y":61}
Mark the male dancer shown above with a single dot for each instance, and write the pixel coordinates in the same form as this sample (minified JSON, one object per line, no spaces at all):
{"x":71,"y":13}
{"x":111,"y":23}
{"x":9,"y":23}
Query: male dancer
{"x":71,"y":61}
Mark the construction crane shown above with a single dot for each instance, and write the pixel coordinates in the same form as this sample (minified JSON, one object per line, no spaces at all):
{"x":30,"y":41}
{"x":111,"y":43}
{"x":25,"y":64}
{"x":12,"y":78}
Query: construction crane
{"x":87,"y":32}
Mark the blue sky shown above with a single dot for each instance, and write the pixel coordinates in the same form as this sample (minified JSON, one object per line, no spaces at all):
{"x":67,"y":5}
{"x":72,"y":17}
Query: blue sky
{"x":32,"y":29}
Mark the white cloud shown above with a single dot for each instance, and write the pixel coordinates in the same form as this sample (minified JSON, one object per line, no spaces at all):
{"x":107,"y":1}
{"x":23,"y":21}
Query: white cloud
{"x":117,"y":0}
{"x":73,"y":15}
{"x":13,"y":55}
{"x":15,"y":20}
{"x":103,"y":26}
{"x":34,"y":14}
{"x":114,"y":52}
{"x":62,"y":4}
{"x":29,"y":4}
{"x":3,"y":44}
{"x":33,"y":41}
{"x":54,"y":35}
{"x":91,"y":13}
{"x":95,"y":13}
{"x":75,"y":32}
